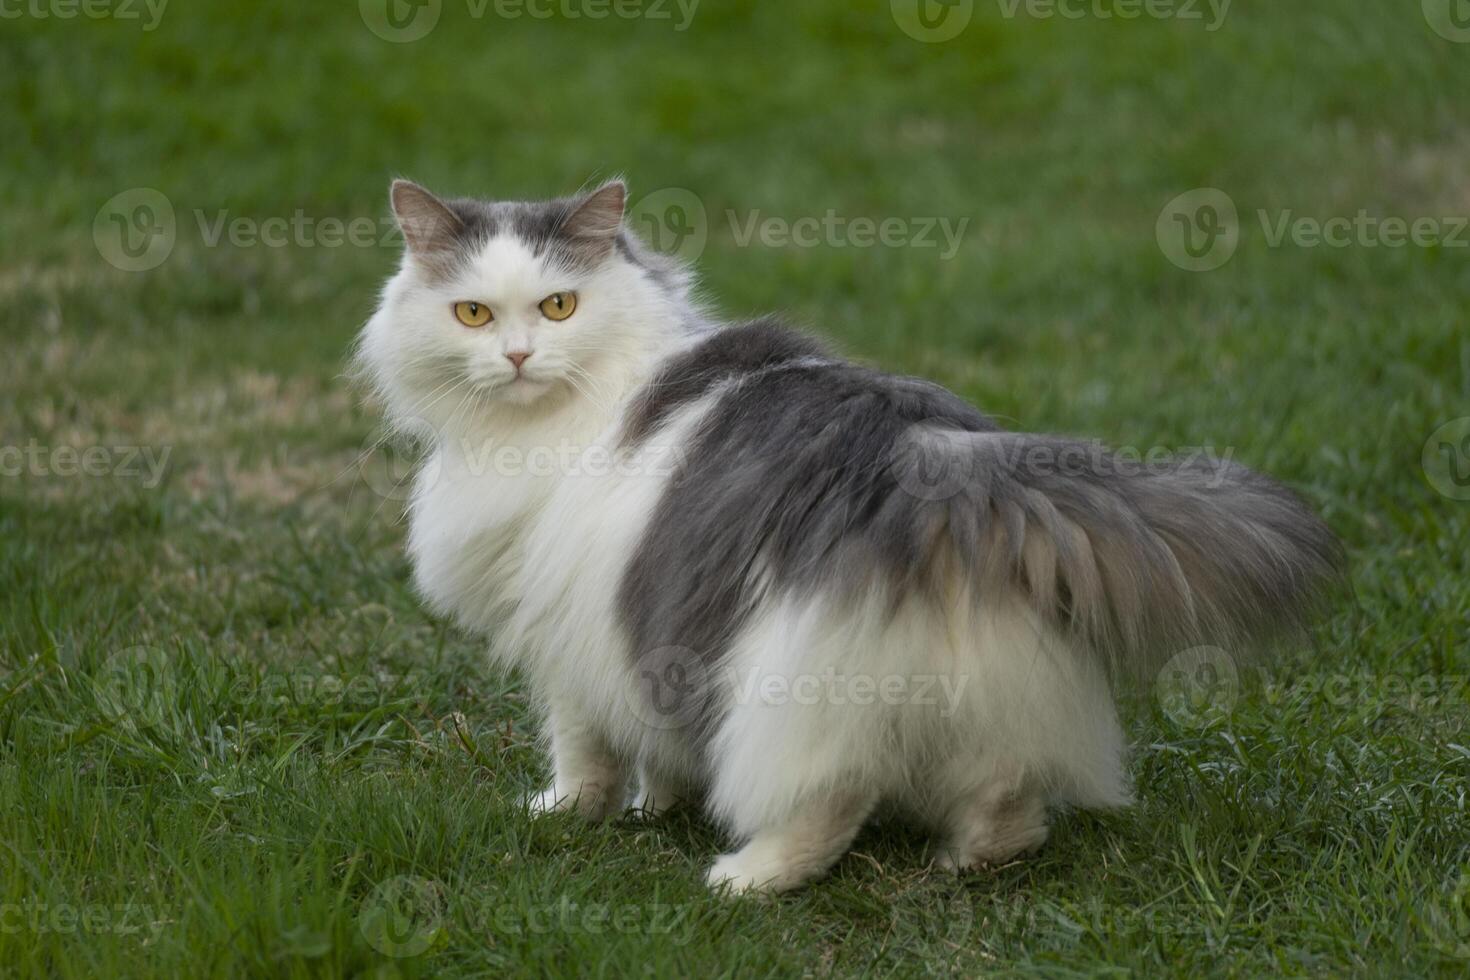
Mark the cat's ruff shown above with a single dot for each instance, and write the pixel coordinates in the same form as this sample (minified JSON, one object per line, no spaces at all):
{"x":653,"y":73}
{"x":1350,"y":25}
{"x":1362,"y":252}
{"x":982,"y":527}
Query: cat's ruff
{"x":737,"y":569}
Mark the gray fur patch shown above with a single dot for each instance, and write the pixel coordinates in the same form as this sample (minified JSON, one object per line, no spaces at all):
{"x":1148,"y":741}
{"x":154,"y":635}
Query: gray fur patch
{"x":810,"y":473}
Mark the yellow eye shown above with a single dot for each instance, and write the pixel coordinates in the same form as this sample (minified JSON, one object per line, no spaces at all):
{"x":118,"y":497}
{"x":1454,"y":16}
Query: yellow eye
{"x":559,"y":306}
{"x":472,"y":314}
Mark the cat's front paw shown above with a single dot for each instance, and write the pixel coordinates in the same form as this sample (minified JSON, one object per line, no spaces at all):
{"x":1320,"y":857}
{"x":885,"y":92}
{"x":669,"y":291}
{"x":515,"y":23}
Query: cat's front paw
{"x":590,"y":802}
{"x":547,"y":801}
{"x":737,"y":874}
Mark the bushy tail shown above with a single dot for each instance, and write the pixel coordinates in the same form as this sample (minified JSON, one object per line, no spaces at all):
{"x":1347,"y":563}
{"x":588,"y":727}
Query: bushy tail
{"x":1144,"y":556}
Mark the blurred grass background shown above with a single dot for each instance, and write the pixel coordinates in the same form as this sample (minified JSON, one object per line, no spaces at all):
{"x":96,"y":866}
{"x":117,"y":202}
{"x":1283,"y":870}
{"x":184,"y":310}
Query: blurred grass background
{"x":253,"y":810}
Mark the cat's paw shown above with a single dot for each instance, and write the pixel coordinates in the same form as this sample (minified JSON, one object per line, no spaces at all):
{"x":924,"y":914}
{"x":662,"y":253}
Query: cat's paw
{"x":590,"y":802}
{"x":991,"y":851}
{"x":648,"y":806}
{"x":735,"y":874}
{"x":547,"y":801}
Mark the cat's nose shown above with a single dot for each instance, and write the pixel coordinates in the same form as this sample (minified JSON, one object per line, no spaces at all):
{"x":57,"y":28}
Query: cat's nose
{"x":517,"y":357}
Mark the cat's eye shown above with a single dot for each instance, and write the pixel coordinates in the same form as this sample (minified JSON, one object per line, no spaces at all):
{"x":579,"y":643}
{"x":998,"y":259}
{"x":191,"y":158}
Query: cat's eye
{"x":472,"y":314}
{"x":559,"y":306}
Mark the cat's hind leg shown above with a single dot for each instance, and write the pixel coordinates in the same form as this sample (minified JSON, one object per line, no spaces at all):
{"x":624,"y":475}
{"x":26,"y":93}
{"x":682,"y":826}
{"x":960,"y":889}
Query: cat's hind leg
{"x":992,"y":823}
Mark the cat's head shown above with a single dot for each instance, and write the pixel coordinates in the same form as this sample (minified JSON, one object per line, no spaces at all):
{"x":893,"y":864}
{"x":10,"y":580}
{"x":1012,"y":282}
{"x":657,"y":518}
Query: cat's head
{"x":514,"y":308}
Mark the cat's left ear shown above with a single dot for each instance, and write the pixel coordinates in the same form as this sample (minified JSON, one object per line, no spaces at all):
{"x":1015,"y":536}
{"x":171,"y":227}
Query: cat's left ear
{"x":429,"y":227}
{"x":596,"y":219}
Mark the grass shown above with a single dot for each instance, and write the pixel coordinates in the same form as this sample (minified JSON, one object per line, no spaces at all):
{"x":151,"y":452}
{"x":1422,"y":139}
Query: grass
{"x":231,"y":741}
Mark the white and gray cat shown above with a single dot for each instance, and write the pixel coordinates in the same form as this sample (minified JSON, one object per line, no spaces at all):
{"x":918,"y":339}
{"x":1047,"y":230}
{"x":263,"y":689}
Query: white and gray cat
{"x":749,"y":574}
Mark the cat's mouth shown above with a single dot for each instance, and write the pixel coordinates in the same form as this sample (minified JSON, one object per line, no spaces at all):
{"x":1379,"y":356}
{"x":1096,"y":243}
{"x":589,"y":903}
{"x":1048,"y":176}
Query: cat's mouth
{"x":522,"y":389}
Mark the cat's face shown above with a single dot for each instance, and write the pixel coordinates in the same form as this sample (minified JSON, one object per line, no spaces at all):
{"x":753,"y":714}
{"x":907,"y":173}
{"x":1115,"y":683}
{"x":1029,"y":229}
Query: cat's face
{"x":515,"y":306}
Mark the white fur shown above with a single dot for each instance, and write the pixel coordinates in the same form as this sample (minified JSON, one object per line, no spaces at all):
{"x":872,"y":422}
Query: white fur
{"x":1015,"y":717}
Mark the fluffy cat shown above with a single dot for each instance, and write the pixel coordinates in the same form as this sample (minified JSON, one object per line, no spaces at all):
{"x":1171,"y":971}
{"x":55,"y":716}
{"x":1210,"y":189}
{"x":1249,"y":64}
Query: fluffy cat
{"x":752,"y":575}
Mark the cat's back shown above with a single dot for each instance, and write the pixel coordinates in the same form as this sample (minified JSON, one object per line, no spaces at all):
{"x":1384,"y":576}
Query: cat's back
{"x":791,"y":473}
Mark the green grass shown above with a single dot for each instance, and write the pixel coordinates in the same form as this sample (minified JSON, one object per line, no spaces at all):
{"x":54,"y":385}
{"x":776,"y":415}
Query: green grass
{"x":242,"y":799}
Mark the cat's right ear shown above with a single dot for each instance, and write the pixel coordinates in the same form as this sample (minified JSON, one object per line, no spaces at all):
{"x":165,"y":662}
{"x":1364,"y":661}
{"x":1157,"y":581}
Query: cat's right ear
{"x":431,"y":229}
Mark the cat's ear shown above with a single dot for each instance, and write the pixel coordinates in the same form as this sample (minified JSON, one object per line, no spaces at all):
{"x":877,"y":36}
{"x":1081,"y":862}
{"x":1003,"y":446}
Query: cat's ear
{"x":596,"y":219}
{"x":431,"y":229}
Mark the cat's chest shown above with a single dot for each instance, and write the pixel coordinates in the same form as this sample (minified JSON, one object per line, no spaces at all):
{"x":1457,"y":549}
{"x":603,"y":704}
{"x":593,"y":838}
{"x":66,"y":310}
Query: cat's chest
{"x":466,"y":532}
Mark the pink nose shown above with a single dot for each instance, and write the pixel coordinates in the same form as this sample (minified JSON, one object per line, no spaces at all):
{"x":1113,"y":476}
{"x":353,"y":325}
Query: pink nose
{"x":518,"y":358}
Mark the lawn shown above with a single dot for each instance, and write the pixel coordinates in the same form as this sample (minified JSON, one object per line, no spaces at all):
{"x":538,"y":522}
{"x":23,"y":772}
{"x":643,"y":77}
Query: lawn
{"x":232,"y":743}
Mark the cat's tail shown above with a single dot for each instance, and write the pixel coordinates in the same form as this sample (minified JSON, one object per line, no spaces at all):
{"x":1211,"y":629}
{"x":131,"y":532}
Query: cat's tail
{"x":1142,"y":555}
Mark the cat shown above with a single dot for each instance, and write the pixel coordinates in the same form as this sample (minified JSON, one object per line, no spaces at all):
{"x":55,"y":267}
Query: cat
{"x":739,"y":571}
